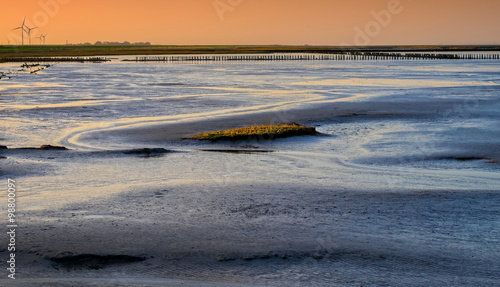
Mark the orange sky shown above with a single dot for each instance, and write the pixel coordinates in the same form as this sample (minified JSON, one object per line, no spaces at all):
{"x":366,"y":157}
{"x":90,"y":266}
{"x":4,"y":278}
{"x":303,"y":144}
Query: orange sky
{"x":314,"y":22}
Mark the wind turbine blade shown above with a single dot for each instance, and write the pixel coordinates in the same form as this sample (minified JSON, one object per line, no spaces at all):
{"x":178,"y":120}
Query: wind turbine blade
{"x":24,"y":20}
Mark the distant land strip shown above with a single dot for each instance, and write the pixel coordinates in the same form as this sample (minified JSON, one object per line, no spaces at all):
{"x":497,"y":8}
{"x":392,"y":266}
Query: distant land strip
{"x":52,"y":59}
{"x":28,"y":51}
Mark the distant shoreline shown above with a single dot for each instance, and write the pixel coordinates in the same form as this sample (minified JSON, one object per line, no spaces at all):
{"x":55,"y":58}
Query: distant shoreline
{"x":14,"y":51}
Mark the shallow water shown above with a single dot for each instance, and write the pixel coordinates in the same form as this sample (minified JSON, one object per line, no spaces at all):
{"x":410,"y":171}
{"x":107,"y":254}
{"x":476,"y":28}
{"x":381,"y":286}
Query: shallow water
{"x":414,"y":137}
{"x":64,"y":104}
{"x":49,"y":105}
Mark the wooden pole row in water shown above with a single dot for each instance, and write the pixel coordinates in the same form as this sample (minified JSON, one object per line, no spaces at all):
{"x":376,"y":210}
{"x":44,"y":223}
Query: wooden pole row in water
{"x":416,"y":56}
{"x":312,"y":57}
{"x":54,"y":59}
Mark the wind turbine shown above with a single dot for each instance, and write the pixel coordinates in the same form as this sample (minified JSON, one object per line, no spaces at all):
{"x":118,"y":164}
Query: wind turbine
{"x":29,"y":32}
{"x":42,"y":38}
{"x":22,"y":31}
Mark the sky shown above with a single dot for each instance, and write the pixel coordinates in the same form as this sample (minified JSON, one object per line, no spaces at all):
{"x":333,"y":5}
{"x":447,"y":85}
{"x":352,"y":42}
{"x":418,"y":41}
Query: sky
{"x":255,"y":22}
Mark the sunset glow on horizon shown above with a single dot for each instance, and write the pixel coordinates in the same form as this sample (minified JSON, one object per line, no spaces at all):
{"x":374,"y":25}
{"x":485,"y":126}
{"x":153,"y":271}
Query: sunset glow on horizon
{"x":255,"y":22}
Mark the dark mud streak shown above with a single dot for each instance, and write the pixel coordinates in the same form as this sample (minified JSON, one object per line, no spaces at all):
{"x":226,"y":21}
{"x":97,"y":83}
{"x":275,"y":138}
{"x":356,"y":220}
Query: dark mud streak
{"x":237,"y":151}
{"x":46,"y":147}
{"x":464,"y":158}
{"x":140,"y":152}
{"x":92,"y":261}
{"x":147,"y":152}
{"x":166,"y":84}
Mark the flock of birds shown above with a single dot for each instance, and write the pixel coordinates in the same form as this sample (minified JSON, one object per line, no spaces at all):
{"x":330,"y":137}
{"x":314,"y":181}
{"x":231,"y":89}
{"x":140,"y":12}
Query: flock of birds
{"x":34,"y":68}
{"x":25,"y":68}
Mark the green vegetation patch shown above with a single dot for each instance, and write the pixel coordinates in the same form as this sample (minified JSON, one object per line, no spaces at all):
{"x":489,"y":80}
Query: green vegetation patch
{"x":267,"y":132}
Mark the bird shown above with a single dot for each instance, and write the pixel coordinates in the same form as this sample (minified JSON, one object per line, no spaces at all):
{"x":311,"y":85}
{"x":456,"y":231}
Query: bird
{"x":3,"y":75}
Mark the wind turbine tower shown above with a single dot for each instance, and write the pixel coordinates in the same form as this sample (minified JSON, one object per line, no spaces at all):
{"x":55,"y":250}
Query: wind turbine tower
{"x":22,"y":31}
{"x":42,"y":38}
{"x":29,"y":32}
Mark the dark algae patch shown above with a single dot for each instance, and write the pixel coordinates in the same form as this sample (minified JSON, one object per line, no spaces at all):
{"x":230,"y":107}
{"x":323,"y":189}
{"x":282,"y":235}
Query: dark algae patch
{"x":51,"y":147}
{"x":264,"y":132}
{"x":47,"y":147}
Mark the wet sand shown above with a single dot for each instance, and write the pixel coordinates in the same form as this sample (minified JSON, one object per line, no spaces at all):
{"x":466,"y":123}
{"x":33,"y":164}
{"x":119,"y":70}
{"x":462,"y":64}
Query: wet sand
{"x":267,"y":235}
